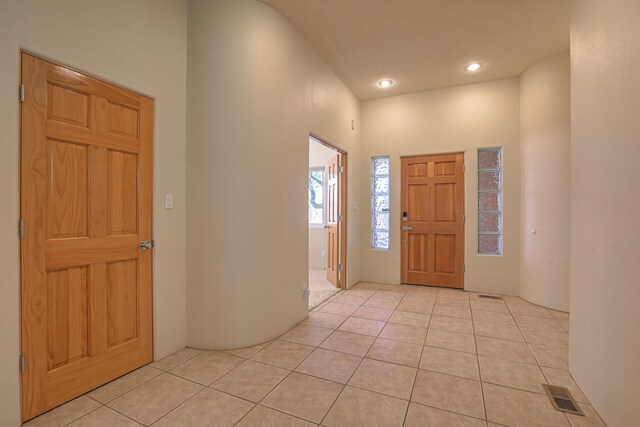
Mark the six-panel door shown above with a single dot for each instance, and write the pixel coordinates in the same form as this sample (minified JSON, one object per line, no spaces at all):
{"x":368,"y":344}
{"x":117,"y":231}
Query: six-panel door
{"x":333,"y":212}
{"x":433,"y":220}
{"x":86,"y":204}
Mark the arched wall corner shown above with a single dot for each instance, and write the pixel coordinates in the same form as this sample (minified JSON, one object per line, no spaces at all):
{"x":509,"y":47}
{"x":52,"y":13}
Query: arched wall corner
{"x":256,"y":90}
{"x":545,"y":116}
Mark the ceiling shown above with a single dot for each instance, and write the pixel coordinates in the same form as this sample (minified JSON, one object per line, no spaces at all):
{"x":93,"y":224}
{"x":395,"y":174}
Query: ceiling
{"x":425,"y":44}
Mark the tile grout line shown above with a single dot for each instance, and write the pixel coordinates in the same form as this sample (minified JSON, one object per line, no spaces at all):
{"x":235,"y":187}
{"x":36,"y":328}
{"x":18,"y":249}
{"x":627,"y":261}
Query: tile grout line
{"x":386,"y":322}
{"x":527,"y":341}
{"x":180,"y":363}
{"x":124,"y":415}
{"x":106,"y":404}
{"x":75,"y":419}
{"x":194,"y":396}
{"x":566,"y":418}
{"x":277,"y":385}
{"x":415,"y":379}
{"x":256,"y":405}
{"x":424,"y":344}
{"x":294,"y":370}
{"x":475,"y":343}
{"x":164,"y":415}
{"x":128,"y":391}
{"x":453,"y":412}
{"x":365,"y":357}
{"x":418,"y":369}
{"x":300,"y":363}
{"x":87,"y":394}
{"x":355,"y":370}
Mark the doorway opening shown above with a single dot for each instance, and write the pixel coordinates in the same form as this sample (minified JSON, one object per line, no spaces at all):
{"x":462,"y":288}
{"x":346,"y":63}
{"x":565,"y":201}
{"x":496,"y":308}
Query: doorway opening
{"x":327,"y":221}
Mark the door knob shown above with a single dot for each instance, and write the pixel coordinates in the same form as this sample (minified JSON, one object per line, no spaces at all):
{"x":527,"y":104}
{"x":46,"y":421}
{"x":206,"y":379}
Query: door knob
{"x":146,"y":244}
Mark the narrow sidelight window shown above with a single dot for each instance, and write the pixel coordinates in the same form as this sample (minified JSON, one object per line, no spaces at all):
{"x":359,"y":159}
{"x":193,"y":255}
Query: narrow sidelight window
{"x":490,"y":201}
{"x":316,"y":196}
{"x":380,"y":203}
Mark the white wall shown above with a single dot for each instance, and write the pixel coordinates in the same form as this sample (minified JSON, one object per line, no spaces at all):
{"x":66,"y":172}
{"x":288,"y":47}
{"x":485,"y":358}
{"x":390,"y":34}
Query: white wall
{"x":256,"y":90}
{"x":461,"y":118}
{"x":140,"y":45}
{"x":605,"y":183}
{"x":319,"y":155}
{"x":317,"y":244}
{"x":545,"y":121}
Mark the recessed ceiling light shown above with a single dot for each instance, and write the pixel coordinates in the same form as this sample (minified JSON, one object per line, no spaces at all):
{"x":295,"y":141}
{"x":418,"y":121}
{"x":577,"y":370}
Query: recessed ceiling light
{"x":385,"y":83}
{"x":473,"y":67}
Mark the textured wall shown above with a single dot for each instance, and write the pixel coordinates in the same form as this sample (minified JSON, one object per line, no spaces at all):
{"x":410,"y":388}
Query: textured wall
{"x":256,"y":90}
{"x":545,"y":122}
{"x":462,"y":118}
{"x":140,"y":45}
{"x":605,"y":213}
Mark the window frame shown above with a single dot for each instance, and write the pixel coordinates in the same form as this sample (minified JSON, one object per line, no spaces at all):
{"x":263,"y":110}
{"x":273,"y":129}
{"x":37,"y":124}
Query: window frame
{"x":373,"y":230}
{"x":499,"y":192}
{"x":324,"y":196}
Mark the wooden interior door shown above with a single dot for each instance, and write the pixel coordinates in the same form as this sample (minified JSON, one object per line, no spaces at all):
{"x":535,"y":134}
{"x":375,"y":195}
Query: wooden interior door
{"x":86,"y":203}
{"x":342,"y":220}
{"x":333,"y":212}
{"x":433,"y":220}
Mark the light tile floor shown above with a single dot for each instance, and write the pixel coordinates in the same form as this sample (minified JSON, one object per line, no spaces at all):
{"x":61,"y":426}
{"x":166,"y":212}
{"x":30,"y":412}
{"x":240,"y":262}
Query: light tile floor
{"x":375,"y":355}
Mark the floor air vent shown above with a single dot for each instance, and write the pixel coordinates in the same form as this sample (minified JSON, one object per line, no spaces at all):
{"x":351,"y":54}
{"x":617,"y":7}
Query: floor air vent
{"x":490,"y":296}
{"x":562,"y":400}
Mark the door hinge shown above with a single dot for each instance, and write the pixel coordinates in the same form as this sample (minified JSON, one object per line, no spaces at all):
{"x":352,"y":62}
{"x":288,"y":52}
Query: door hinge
{"x":21,"y":228}
{"x":464,"y":218}
{"x":21,"y":363}
{"x":340,"y":217}
{"x":340,"y":267}
{"x":464,"y":168}
{"x":341,"y":169}
{"x":21,"y":92}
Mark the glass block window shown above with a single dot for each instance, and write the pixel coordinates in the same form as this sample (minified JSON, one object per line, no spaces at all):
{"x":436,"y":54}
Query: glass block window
{"x":490,"y":201}
{"x":380,"y":203}
{"x":316,"y":196}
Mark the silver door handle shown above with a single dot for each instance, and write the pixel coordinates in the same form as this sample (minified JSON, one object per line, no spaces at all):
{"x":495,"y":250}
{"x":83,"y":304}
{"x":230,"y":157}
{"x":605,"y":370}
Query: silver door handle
{"x":406,"y":228}
{"x":146,"y":244}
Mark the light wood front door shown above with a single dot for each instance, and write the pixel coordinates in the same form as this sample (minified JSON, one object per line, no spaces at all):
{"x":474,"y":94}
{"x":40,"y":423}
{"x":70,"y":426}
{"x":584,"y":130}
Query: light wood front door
{"x":333,"y":212}
{"x":433,"y":220}
{"x":86,"y":200}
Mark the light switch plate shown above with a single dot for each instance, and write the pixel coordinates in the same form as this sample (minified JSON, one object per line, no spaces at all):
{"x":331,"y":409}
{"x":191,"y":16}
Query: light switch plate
{"x":168,"y":201}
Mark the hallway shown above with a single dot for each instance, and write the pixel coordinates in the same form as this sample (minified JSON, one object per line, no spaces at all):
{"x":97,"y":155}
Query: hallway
{"x":387,"y":355}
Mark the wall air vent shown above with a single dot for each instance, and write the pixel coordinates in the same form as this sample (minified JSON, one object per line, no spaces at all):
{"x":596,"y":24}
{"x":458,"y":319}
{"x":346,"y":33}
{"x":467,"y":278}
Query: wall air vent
{"x":490,"y":296}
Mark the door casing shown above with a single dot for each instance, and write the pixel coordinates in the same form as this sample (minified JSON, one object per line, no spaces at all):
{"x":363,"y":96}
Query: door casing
{"x":342,"y":208}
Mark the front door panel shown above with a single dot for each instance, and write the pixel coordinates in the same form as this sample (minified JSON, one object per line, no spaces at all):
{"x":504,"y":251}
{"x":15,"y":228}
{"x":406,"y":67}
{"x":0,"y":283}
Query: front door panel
{"x":433,"y":220}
